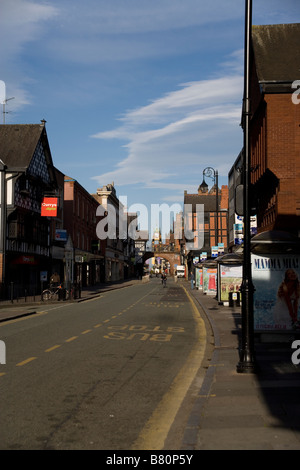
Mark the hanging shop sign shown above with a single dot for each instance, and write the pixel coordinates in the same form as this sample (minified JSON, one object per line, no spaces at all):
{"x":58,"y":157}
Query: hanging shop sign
{"x":61,"y":235}
{"x":49,"y":207}
{"x":214,"y":251}
{"x":221,"y":249}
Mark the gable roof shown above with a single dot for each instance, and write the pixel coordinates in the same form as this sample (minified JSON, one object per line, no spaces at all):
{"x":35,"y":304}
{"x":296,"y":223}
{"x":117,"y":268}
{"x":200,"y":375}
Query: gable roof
{"x":277,"y":53}
{"x":18,"y":143}
{"x":209,"y":201}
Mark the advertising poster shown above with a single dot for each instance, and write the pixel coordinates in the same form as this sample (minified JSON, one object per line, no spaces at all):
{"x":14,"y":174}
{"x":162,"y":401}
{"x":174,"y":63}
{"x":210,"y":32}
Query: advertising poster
{"x":198,"y":278}
{"x":277,"y":291}
{"x":230,"y":280}
{"x":209,"y":280}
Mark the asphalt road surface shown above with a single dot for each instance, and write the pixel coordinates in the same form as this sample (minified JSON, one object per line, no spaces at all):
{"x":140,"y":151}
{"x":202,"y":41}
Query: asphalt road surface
{"x":116,"y":372}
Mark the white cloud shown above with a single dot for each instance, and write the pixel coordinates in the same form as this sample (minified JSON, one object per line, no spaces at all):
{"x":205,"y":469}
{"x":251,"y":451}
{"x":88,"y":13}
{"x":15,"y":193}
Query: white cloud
{"x":186,"y":128}
{"x":21,"y":22}
{"x":99,"y":17}
{"x":135,"y":29}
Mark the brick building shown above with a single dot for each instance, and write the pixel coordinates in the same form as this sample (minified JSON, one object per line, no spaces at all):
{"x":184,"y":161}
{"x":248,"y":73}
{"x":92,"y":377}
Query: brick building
{"x":275,"y":126}
{"x":80,"y":222}
{"x":215,"y":228}
{"x":116,"y":267}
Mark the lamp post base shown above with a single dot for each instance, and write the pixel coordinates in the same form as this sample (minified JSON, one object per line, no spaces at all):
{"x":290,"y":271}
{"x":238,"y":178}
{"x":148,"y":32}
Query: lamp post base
{"x":247,"y":364}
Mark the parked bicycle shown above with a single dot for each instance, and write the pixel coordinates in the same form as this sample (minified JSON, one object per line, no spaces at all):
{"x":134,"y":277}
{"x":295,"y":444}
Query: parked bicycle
{"x":55,"y":293}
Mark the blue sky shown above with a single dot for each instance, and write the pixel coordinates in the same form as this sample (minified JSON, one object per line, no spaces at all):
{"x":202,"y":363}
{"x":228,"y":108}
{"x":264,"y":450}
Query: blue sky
{"x":142,"y":93}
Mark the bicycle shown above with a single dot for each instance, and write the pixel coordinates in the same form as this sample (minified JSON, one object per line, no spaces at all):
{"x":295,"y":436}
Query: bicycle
{"x":55,"y":293}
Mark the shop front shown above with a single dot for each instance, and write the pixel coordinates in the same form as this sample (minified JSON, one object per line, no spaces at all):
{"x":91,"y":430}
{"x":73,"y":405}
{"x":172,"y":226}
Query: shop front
{"x":88,"y":268}
{"x":26,"y":274}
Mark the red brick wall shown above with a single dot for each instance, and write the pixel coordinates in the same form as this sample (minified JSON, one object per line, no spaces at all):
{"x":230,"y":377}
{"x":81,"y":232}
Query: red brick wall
{"x":80,"y":215}
{"x":283,"y":121}
{"x":275,"y":146}
{"x":224,"y":197}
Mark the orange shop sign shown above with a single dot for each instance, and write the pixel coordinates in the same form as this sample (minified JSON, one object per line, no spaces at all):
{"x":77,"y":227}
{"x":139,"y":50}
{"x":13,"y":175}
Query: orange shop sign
{"x":49,"y":207}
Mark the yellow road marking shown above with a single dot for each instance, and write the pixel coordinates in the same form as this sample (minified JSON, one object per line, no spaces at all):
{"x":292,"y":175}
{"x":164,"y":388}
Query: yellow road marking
{"x":156,"y":429}
{"x":85,"y":332}
{"x":71,"y":339}
{"x":26,"y":361}
{"x":52,"y":348}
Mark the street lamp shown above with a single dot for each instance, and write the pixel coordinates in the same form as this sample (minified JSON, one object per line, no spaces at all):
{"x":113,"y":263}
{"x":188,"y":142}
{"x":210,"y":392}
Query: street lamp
{"x":247,"y":361}
{"x":213,"y":174}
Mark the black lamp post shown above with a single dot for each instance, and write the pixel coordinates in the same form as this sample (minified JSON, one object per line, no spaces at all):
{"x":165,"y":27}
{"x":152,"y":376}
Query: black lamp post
{"x":247,"y":360}
{"x":211,"y":173}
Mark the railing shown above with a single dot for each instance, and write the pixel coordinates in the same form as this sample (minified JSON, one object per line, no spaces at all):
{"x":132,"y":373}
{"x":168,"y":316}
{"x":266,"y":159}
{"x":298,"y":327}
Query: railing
{"x":16,"y":293}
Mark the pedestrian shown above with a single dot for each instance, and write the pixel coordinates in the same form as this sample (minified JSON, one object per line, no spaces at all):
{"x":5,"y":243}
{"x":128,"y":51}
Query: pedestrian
{"x":192,"y":280}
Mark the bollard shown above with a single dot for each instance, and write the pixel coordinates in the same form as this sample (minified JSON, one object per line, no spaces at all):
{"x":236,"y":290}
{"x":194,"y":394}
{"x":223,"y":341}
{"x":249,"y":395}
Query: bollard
{"x":12,"y":292}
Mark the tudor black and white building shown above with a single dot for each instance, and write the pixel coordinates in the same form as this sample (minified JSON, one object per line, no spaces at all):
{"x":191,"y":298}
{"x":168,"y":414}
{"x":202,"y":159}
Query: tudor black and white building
{"x":27,"y":176}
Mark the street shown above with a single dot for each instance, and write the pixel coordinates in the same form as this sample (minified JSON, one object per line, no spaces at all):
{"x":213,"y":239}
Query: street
{"x":109,"y":373}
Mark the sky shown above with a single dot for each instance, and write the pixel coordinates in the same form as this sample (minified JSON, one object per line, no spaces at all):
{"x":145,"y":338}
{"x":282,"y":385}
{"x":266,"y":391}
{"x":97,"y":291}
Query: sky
{"x":142,"y":93}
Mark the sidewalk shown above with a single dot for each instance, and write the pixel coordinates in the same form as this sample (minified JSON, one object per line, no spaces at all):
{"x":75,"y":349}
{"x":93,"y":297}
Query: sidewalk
{"x":244,"y":411}
{"x":20,"y":308}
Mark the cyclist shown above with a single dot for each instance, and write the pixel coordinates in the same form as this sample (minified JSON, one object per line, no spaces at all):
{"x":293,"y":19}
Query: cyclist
{"x":56,"y":284}
{"x":54,"y":280}
{"x":164,"y":279}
